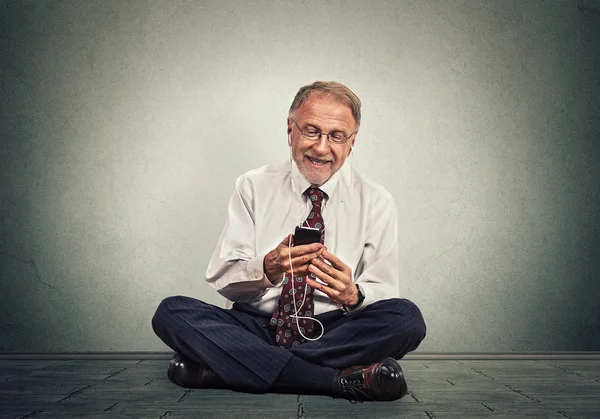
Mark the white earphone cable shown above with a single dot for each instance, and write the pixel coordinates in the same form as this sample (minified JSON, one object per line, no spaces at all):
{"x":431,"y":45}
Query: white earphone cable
{"x":295,"y":317}
{"x":297,"y":308}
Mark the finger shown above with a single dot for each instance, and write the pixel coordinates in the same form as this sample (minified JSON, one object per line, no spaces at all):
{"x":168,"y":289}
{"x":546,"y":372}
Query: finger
{"x":329,"y":280}
{"x":304,"y":260}
{"x":330,"y":292}
{"x":286,"y":241}
{"x":307,"y":249}
{"x":328,"y":269}
{"x":335,"y":261}
{"x":300,"y":270}
{"x":303,"y":256}
{"x":285,"y":251}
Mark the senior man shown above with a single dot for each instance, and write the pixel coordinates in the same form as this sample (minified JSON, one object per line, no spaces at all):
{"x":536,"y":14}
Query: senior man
{"x":319,"y":318}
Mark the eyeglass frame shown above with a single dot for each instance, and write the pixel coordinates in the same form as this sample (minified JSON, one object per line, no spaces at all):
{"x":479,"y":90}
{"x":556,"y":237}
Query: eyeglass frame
{"x":320,"y":134}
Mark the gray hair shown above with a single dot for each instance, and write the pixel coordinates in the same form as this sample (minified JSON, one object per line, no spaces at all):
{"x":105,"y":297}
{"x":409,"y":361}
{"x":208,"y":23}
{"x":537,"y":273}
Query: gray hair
{"x":331,"y":88}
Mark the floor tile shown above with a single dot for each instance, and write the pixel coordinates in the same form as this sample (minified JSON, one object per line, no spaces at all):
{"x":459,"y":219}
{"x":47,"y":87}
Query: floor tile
{"x":439,"y":389}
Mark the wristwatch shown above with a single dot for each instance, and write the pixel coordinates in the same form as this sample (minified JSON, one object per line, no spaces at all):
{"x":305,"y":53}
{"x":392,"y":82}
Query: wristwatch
{"x":361,"y":298}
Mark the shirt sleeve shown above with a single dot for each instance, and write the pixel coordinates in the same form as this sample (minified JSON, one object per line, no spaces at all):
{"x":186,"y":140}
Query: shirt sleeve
{"x":235,"y":270}
{"x":377,"y":272}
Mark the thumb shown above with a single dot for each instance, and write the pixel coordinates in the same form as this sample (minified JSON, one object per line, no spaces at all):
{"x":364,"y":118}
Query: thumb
{"x":286,"y":240}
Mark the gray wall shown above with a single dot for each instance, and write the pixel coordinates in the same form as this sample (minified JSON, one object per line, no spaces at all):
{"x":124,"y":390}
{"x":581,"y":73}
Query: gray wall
{"x":125,"y":124}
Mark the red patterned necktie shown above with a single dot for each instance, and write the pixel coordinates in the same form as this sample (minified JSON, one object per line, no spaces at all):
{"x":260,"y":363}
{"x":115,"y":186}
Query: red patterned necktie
{"x":286,"y":326}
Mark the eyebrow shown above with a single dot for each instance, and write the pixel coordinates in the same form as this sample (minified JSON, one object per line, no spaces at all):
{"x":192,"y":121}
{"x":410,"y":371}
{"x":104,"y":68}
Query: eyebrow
{"x":308,"y":124}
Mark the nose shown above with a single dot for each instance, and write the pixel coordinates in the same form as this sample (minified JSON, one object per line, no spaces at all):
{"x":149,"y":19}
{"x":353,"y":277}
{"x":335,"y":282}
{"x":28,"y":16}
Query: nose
{"x":322,"y":145}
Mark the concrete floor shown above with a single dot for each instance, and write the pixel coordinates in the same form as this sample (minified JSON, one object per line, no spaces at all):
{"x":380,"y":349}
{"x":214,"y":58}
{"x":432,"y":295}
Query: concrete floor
{"x":442,"y":389}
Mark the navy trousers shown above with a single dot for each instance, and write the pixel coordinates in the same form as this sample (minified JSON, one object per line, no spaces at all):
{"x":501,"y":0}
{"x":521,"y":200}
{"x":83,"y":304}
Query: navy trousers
{"x":240,"y":347}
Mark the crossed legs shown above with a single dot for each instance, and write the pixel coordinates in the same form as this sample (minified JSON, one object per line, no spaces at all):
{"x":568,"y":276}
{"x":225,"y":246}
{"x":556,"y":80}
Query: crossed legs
{"x":238,"y":345}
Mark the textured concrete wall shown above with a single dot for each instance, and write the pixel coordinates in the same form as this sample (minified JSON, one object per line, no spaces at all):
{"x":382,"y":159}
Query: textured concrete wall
{"x":124,"y":125}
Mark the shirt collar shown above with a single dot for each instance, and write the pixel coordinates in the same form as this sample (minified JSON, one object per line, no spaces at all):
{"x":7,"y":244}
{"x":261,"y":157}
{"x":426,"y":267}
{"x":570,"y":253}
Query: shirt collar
{"x":329,"y":187}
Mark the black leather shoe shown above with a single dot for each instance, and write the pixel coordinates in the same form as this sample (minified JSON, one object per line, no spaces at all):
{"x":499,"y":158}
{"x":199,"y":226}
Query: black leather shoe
{"x":383,"y":381}
{"x":188,"y":374}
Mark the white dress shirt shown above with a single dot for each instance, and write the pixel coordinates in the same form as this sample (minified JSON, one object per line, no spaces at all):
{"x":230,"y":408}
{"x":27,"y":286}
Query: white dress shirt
{"x":361,"y":229}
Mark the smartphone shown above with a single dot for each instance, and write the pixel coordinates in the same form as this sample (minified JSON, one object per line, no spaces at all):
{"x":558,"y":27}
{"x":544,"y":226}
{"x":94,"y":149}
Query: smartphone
{"x":306,"y":235}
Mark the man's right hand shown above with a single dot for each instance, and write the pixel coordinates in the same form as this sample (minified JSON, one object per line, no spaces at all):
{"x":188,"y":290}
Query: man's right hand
{"x":277,"y":261}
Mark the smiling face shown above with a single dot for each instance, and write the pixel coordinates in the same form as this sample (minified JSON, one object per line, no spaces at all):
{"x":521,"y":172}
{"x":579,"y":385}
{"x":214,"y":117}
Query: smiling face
{"x":318,"y":160}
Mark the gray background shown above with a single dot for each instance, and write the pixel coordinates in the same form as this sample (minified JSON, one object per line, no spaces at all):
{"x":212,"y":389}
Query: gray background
{"x":125,"y":124}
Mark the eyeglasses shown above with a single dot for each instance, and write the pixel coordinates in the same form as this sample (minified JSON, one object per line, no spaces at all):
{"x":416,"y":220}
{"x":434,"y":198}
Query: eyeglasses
{"x":312,"y":133}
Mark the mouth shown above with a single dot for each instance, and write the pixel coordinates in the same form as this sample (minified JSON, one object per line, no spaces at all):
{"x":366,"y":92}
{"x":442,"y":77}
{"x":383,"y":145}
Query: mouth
{"x":317,"y":162}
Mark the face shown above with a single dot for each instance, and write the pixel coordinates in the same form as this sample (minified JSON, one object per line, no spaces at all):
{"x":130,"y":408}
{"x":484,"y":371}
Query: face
{"x":318,"y":160}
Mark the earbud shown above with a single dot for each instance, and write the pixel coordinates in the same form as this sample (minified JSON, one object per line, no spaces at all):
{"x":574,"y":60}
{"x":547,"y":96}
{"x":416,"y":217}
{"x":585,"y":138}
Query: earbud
{"x":289,"y":139}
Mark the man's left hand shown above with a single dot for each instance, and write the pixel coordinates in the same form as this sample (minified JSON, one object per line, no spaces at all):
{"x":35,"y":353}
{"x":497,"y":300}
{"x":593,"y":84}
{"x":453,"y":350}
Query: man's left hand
{"x":337,"y":275}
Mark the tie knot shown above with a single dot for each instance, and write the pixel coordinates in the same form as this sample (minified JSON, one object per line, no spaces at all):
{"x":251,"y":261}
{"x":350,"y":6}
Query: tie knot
{"x":315,"y":195}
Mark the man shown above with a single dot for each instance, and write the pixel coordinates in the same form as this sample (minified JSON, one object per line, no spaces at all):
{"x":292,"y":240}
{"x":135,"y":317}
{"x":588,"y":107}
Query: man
{"x":320,"y":318}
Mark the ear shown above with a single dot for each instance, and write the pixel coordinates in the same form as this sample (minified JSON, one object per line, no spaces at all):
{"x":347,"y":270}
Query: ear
{"x":351,"y":147}
{"x":289,"y":131}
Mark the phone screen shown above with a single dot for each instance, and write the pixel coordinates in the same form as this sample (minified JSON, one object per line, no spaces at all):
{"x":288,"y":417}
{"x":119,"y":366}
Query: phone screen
{"x":306,"y":235}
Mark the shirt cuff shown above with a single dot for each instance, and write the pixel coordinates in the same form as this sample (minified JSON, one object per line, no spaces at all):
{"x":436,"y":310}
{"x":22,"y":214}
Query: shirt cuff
{"x":254,"y":269}
{"x":256,"y":272}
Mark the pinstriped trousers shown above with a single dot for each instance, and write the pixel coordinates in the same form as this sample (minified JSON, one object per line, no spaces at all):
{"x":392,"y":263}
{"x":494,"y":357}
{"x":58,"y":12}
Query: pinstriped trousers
{"x":240,"y":347}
